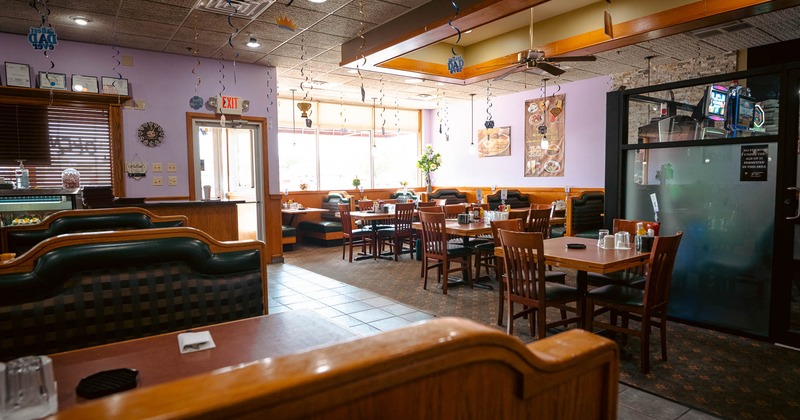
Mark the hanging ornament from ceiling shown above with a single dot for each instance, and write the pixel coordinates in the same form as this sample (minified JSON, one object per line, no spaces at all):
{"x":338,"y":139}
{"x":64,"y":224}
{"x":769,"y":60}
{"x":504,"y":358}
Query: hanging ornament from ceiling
{"x":608,"y":25}
{"x":439,"y":108}
{"x":342,"y":113}
{"x":285,"y":22}
{"x":230,"y":37}
{"x":44,"y":38}
{"x":196,"y":102}
{"x":396,"y":117}
{"x":360,"y":47}
{"x":489,"y":124}
{"x":116,"y":84}
{"x":383,"y":110}
{"x":455,"y":64}
{"x":269,"y":94}
{"x":446,"y":120}
{"x":305,"y":85}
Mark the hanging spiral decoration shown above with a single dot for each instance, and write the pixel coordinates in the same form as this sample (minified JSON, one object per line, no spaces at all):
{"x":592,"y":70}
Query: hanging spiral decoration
{"x":44,"y":16}
{"x":396,"y":117}
{"x":438,"y":109}
{"x":489,"y":122}
{"x":455,"y":64}
{"x":230,"y":37}
{"x":222,"y":73}
{"x":383,"y":110}
{"x":341,"y":112}
{"x":446,"y":120}
{"x":360,"y":47}
{"x":269,"y":94}
{"x":450,"y":22}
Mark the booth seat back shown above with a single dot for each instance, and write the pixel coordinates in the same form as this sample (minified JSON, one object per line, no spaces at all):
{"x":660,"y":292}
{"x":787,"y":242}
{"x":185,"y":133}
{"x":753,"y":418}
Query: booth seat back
{"x":452,"y":196}
{"x":407,"y":196}
{"x":19,"y":239}
{"x":585,"y":214}
{"x":515,"y":199}
{"x":331,"y":203}
{"x":81,"y":290}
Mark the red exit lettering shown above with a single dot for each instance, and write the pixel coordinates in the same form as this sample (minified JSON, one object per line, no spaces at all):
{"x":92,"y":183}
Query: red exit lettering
{"x":230,"y":102}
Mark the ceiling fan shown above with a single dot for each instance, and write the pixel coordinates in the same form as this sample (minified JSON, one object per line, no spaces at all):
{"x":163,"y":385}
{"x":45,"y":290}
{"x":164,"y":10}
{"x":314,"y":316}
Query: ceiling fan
{"x":534,"y":60}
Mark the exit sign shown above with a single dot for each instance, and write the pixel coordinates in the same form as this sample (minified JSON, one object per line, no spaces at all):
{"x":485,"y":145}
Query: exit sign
{"x":231,"y":105}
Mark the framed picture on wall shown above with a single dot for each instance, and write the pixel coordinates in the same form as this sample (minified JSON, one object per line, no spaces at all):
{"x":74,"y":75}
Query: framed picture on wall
{"x":18,"y":74}
{"x":115,"y":86}
{"x":84,"y":83}
{"x":57,"y":81}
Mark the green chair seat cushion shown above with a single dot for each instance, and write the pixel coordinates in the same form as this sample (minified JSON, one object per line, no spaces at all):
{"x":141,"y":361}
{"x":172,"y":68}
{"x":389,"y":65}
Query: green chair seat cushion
{"x":288,"y":231}
{"x":618,"y":294}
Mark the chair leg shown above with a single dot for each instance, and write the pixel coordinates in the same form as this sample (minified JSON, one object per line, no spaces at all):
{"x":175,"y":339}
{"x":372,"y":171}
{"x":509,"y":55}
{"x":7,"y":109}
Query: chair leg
{"x":501,"y":293}
{"x":510,"y":313}
{"x":644,"y":353}
{"x":446,"y":268}
{"x":532,"y":320}
{"x":663,"y":328}
{"x":344,"y":245}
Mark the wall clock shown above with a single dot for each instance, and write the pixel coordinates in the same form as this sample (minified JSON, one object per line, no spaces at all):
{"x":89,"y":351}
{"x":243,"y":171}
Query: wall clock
{"x":151,"y":134}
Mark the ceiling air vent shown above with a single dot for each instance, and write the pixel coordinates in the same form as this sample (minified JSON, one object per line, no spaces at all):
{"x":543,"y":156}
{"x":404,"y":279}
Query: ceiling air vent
{"x":245,"y":8}
{"x":722,"y":29}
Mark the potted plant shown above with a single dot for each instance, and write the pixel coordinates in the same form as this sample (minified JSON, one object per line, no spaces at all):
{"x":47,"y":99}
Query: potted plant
{"x":429,"y":162}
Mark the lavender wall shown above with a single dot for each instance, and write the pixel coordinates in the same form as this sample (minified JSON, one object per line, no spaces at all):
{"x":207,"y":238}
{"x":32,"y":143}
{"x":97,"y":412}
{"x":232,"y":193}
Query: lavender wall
{"x":584,"y":165}
{"x":164,"y":82}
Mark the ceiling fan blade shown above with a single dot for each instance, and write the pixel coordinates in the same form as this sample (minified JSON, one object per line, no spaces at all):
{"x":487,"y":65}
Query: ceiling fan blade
{"x":555,"y":71}
{"x":497,"y":66}
{"x":511,"y":71}
{"x":572,"y":58}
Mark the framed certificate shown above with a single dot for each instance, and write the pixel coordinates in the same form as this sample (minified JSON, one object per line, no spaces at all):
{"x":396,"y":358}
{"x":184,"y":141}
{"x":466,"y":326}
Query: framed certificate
{"x":57,"y":81}
{"x":18,"y":74}
{"x":84,"y":84}
{"x":115,"y":86}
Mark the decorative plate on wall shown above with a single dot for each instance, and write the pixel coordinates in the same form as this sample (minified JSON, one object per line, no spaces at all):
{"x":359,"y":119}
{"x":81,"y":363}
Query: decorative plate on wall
{"x":151,"y":134}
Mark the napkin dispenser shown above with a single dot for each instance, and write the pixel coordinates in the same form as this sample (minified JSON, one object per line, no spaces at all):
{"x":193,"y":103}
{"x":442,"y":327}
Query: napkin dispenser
{"x":463,"y":218}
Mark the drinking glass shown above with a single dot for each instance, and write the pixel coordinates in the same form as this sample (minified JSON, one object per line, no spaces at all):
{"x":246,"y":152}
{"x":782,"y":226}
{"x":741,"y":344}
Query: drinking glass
{"x":602,"y":234}
{"x":30,"y":388}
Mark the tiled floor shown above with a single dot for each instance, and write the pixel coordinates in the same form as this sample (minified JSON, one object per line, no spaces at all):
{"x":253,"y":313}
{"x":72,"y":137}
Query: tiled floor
{"x":364,"y":312}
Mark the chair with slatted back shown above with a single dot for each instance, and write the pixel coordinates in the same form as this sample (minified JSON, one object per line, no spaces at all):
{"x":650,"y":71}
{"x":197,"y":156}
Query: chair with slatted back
{"x":519,"y":214}
{"x":353,"y":237}
{"x":437,"y":249}
{"x":400,"y":232}
{"x":485,"y":257}
{"x":451,"y":211}
{"x":539,"y":221}
{"x":426,"y":204}
{"x":525,"y":284}
{"x":634,"y":277}
{"x":648,"y":306}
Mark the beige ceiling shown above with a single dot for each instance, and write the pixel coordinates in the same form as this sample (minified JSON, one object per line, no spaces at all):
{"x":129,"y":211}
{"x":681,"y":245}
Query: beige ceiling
{"x":171,"y":26}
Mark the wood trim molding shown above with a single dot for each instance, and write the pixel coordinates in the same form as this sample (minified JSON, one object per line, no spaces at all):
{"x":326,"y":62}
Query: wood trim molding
{"x":117,"y":137}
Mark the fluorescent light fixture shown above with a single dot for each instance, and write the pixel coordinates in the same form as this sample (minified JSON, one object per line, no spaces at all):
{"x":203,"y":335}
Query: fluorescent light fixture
{"x":80,"y":20}
{"x":253,"y":43}
{"x":413,"y":81}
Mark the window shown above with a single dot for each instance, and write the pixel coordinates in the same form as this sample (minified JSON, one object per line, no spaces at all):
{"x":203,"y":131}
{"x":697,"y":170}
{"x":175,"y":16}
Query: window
{"x":340,"y":146}
{"x":53,"y":138}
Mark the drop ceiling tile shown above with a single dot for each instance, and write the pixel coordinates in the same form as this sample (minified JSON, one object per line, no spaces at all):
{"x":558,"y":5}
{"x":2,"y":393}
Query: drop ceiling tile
{"x":327,"y":7}
{"x":126,"y":27}
{"x":206,"y":38}
{"x":108,"y":7}
{"x":179,"y":3}
{"x":782,"y":24}
{"x":319,"y":39}
{"x":747,"y":38}
{"x":142,"y":42}
{"x":347,"y":27}
{"x":215,"y":22}
{"x":303,"y":18}
{"x":681,"y":47}
{"x":292,"y":50}
{"x":373,"y":11}
{"x":283,"y":64}
{"x":20,"y":10}
{"x":153,"y":11}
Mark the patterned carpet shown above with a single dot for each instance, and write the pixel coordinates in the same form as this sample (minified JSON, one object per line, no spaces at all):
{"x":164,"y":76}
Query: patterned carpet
{"x":721,"y":374}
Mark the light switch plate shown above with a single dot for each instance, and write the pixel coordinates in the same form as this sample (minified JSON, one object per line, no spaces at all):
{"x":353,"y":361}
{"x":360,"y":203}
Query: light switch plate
{"x":158,"y":181}
{"x":172,"y":181}
{"x":171,"y":167}
{"x":157,"y":167}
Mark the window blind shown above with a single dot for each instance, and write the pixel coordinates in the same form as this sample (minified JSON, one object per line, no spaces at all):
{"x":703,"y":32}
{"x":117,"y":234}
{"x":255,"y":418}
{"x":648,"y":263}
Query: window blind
{"x":74,"y":137}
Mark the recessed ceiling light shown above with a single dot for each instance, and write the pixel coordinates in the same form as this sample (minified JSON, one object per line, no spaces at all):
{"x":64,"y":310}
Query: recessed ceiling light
{"x":253,"y":43}
{"x":317,"y":1}
{"x":80,"y":20}
{"x":352,"y":71}
{"x":413,"y":81}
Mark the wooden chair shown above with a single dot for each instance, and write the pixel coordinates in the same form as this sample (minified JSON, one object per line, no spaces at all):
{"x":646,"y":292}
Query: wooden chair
{"x":451,"y":211}
{"x":525,"y":283}
{"x":519,"y":214}
{"x":539,"y":219}
{"x":426,"y":204}
{"x":484,"y":252}
{"x":353,"y":237}
{"x":400,"y":232}
{"x":634,"y":277}
{"x":364,"y":205}
{"x":648,"y":306}
{"x":435,"y":247}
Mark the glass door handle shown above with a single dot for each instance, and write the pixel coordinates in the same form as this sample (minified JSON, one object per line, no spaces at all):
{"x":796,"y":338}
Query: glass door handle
{"x":797,"y":212}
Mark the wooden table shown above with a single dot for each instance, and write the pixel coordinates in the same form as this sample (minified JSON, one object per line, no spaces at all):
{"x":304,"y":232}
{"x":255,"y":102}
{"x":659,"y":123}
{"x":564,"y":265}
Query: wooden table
{"x":373,"y":218}
{"x":294,"y":212}
{"x":159,"y":360}
{"x":592,"y":258}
